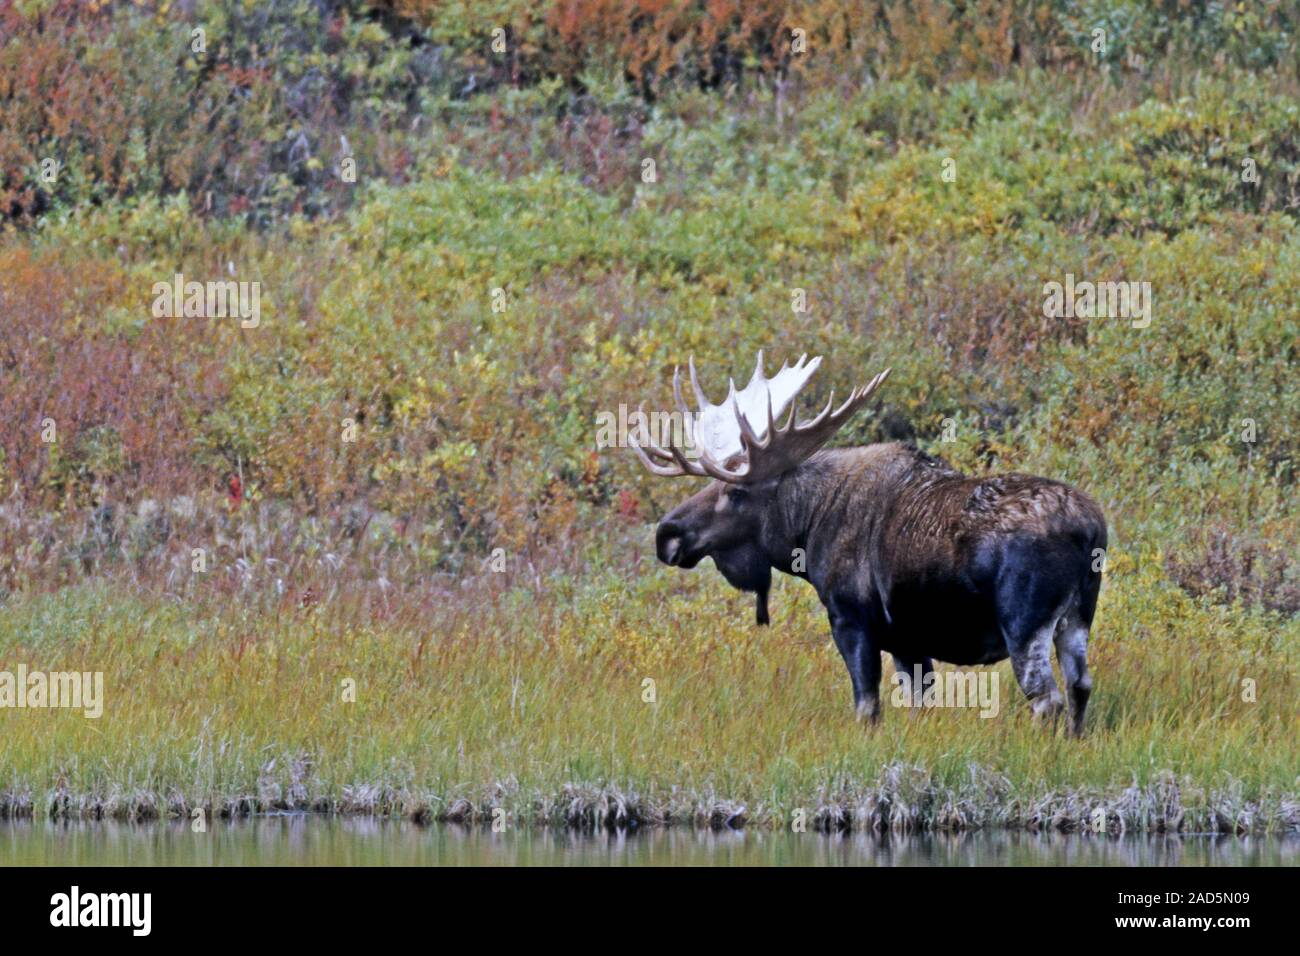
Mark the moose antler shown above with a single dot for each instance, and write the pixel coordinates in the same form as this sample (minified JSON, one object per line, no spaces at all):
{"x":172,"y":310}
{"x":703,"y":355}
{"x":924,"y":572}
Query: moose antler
{"x":738,"y":440}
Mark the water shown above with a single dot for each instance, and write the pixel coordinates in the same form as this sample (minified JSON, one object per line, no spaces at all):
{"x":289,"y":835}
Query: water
{"x":300,"y":840}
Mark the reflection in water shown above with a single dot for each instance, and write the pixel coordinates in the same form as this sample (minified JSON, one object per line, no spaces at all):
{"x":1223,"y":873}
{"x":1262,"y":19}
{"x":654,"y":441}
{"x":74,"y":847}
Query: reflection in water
{"x":297,"y":840}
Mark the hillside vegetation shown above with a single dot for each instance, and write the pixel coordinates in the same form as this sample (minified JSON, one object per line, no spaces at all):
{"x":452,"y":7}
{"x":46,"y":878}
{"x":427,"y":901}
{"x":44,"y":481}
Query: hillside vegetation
{"x":394,"y":475}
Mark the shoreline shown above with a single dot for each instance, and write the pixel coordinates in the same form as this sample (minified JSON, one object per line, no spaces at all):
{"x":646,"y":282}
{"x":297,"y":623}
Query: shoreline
{"x":1150,"y":810}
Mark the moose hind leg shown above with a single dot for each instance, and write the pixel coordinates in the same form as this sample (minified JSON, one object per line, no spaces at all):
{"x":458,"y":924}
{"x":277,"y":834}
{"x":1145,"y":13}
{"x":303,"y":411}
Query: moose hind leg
{"x":1031,"y":659}
{"x":1072,"y":655}
{"x":1032,"y":594}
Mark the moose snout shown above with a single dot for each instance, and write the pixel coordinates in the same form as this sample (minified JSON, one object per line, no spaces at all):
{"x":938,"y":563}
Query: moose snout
{"x":670,"y":543}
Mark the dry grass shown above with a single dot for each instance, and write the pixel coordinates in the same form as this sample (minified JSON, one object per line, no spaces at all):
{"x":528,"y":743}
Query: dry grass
{"x":523,"y":693}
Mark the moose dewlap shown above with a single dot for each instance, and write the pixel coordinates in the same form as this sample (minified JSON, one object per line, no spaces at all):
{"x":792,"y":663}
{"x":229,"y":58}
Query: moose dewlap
{"x":909,"y":556}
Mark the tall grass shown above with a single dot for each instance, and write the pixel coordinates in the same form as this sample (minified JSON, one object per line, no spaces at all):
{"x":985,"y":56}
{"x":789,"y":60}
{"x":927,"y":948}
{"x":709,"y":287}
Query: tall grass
{"x":531,"y":700}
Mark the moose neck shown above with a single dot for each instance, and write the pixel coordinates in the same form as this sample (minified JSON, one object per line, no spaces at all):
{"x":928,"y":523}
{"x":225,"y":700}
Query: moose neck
{"x":819,"y":502}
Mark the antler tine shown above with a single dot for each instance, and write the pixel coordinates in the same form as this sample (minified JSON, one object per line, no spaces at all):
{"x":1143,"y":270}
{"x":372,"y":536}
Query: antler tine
{"x":750,"y":438}
{"x":856,"y":397}
{"x":879,"y":380}
{"x":700,"y":400}
{"x":683,"y":463}
{"x":785,"y":447}
{"x":821,"y":416}
{"x":789,"y":419}
{"x":658,"y":453}
{"x":715,"y":470}
{"x":680,"y":465}
{"x":664,"y":471}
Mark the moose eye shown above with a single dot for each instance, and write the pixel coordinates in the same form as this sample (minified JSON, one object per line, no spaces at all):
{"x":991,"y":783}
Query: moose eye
{"x":737,"y":494}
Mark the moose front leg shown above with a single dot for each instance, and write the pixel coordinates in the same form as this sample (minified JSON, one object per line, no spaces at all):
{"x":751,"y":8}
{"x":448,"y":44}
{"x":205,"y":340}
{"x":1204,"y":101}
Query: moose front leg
{"x":862,"y":659}
{"x":913,"y":675}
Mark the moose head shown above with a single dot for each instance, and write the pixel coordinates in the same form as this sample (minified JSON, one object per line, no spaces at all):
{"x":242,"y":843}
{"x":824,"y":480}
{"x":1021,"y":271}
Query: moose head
{"x":750,"y":457}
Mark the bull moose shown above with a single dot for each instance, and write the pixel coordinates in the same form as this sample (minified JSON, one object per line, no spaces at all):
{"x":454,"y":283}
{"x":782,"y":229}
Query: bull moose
{"x":909,"y":555}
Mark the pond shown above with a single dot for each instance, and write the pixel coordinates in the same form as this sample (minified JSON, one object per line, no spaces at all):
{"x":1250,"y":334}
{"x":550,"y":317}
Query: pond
{"x":305,"y":840}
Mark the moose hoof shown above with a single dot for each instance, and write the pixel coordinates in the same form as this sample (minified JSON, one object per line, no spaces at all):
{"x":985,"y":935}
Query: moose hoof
{"x":869,"y":712}
{"x":1047,"y":709}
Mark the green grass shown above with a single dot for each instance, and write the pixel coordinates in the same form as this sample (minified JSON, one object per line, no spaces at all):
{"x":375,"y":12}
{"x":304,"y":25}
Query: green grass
{"x":531,"y":702}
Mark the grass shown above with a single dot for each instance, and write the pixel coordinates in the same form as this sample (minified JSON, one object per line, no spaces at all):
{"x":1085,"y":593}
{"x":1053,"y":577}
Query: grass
{"x":480,"y":697}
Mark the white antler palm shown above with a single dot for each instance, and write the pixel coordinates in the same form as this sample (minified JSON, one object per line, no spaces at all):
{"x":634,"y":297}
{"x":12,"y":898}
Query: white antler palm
{"x":739,"y":441}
